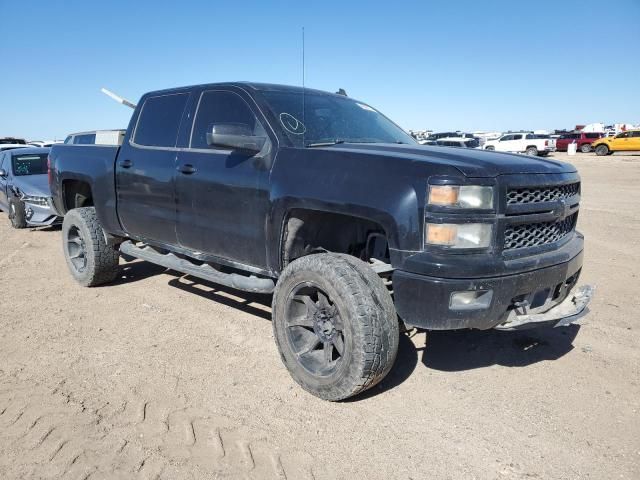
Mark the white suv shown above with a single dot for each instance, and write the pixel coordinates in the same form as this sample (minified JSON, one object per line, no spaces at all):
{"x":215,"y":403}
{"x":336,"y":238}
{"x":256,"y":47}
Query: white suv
{"x":521,"y":142}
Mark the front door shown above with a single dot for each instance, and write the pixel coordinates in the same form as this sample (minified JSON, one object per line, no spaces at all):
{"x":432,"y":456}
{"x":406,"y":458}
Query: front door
{"x":622,"y":141}
{"x":146,"y":171}
{"x":222,"y":195}
{"x":4,"y":165}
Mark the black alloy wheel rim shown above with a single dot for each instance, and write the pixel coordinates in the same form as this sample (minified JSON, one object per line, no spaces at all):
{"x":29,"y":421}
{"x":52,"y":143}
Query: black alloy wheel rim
{"x":315,"y":330}
{"x":76,"y":249}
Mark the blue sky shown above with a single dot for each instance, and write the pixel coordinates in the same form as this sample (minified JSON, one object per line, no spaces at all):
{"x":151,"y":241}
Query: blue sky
{"x":469,"y":65}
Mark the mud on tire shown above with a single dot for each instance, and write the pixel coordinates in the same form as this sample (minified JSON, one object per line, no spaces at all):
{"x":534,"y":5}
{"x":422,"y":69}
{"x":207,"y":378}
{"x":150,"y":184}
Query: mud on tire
{"x":343,"y":302}
{"x":90,"y":260}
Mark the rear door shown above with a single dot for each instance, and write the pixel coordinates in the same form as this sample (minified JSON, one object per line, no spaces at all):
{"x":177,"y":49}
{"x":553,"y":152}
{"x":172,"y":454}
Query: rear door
{"x":146,"y":170}
{"x":635,"y":140}
{"x":518,"y":143}
{"x":223,"y":195}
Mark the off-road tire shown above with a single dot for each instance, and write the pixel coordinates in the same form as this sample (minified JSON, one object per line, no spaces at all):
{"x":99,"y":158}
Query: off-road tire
{"x":533,"y":151}
{"x":17,"y":214}
{"x":370,"y":323}
{"x":602,"y":150}
{"x":101,"y":259}
{"x":585,"y":148}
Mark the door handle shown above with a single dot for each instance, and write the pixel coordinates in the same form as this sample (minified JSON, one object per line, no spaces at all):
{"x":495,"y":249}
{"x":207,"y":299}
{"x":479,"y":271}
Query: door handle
{"x":126,"y":163}
{"x":187,"y":169}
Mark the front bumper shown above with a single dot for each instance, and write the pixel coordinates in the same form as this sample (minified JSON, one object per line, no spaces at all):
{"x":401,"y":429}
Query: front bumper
{"x":423,"y":301}
{"x":41,"y":215}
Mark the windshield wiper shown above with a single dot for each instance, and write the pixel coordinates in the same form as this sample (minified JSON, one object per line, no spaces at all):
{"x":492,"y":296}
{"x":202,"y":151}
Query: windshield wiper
{"x":323,"y":144}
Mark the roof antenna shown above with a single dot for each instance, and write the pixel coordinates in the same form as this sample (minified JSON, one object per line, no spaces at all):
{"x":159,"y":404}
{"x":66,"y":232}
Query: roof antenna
{"x":304,"y":120}
{"x":118,"y":98}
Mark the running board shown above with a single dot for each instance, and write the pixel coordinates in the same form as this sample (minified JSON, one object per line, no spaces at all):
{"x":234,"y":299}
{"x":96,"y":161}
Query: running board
{"x":204,"y":271}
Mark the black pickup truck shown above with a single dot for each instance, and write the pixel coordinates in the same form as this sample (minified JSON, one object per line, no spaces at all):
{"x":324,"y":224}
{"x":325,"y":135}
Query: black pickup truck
{"x":322,"y":201}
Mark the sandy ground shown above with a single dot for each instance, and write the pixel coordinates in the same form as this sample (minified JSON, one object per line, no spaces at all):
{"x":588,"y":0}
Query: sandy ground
{"x":158,"y":376}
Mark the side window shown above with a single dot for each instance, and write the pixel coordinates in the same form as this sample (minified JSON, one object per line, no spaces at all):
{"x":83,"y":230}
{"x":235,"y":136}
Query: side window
{"x":68,"y":139}
{"x":87,"y":139}
{"x":2,"y":157}
{"x":159,"y":120}
{"x":506,"y":137}
{"x":623,"y":135}
{"x":517,"y":137}
{"x":220,"y":107}
{"x":530,"y":136}
{"x":635,"y":134}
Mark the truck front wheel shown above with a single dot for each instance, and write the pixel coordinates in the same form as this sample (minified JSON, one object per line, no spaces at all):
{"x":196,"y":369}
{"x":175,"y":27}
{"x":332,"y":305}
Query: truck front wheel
{"x":90,"y":260}
{"x":335,"y":325}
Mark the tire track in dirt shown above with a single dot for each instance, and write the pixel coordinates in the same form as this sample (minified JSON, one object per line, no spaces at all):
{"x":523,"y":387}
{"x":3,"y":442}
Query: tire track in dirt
{"x":51,"y":433}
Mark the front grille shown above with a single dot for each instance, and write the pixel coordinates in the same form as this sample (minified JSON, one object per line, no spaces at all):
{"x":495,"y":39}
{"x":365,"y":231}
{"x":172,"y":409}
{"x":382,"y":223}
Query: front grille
{"x":542,"y":194}
{"x":535,"y":234}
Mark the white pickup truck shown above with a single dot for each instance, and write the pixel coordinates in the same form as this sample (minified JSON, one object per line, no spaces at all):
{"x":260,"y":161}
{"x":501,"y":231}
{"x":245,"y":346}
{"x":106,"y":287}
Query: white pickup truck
{"x":522,"y":142}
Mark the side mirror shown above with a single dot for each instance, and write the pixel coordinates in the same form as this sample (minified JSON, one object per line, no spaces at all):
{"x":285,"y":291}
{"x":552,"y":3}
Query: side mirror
{"x":3,"y":173}
{"x":236,"y":136}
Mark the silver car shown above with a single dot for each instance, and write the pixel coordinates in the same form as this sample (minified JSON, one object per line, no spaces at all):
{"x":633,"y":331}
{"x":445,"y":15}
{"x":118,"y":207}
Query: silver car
{"x":24,"y":187}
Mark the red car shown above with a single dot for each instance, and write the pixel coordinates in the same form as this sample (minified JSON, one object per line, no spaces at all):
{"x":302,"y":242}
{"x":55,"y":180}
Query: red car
{"x":583,"y":140}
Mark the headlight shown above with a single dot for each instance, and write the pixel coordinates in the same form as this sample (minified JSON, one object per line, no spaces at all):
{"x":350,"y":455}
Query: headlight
{"x":466,"y":196}
{"x":459,"y":235}
{"x":42,"y":201}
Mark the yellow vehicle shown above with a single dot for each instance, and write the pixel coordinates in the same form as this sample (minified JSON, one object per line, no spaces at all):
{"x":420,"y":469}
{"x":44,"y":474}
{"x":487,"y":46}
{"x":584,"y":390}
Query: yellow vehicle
{"x":625,"y":141}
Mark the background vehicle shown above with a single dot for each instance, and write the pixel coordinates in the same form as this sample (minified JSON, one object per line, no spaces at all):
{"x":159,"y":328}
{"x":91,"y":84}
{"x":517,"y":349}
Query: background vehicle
{"x":11,"y":146}
{"x":96,"y":137}
{"x":455,"y":142}
{"x":625,"y":141}
{"x":24,"y":187}
{"x":44,"y":144}
{"x":582,"y":139}
{"x":326,"y":205}
{"x":521,"y":142}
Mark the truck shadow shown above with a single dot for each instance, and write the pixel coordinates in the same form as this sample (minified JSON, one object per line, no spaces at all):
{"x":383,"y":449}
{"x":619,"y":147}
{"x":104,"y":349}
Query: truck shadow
{"x":459,"y":350}
{"x":448,"y":351}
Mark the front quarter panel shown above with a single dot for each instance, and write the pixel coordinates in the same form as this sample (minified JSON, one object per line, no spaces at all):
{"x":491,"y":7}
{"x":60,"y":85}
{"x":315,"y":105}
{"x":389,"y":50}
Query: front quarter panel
{"x":387,"y":191}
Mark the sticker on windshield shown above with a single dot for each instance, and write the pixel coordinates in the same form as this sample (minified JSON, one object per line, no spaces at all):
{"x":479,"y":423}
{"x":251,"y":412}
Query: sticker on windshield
{"x":291,"y":124}
{"x":365,"y":107}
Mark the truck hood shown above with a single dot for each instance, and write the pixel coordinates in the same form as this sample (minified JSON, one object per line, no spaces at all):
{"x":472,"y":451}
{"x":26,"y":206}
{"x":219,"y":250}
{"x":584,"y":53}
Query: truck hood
{"x":469,"y":161}
{"x":34,"y":185}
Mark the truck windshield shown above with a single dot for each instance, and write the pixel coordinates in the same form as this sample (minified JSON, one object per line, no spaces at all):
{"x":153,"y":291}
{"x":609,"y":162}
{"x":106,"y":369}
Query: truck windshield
{"x":329,"y":119}
{"x":30,"y":164}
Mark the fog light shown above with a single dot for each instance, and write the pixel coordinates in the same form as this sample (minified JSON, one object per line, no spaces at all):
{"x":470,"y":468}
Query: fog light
{"x":471,"y":300}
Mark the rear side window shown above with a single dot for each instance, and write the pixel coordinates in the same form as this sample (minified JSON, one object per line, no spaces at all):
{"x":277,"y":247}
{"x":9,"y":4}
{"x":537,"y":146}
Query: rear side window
{"x":159,"y":120}
{"x":218,"y":107}
{"x":636,"y":133}
{"x":592,"y":135}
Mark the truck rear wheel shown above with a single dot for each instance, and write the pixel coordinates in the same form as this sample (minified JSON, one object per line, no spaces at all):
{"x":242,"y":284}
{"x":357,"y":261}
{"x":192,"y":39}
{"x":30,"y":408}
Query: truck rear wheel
{"x":533,"y":151}
{"x":335,"y":325}
{"x":602,"y":150}
{"x":90,"y":260}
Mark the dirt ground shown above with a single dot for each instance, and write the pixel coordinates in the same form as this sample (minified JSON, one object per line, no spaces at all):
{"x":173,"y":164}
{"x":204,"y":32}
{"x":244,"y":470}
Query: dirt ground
{"x":161,"y":376}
